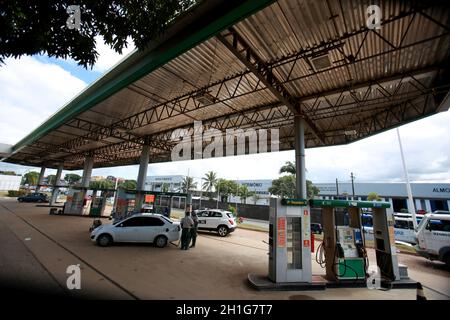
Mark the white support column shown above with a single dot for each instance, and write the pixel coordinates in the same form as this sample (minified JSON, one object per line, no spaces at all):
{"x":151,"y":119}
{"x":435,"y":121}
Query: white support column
{"x":87,"y":171}
{"x":142,"y":174}
{"x":55,"y":191}
{"x":391,"y":209}
{"x":40,"y":179}
{"x":300,"y":181}
{"x":428,"y":205}
{"x":418,"y":205}
{"x":448,"y":204}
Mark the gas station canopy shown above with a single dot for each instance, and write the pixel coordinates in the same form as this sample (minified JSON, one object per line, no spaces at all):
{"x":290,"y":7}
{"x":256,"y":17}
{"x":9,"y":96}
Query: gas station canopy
{"x":257,"y":64}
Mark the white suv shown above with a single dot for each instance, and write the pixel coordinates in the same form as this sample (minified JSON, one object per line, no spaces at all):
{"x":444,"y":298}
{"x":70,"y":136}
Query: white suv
{"x":221,"y":221}
{"x":152,"y":228}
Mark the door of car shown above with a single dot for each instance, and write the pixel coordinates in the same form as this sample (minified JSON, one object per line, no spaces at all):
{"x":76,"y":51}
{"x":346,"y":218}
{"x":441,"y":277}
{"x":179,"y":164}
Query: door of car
{"x":214,"y":219}
{"x":128,"y":230}
{"x":202,"y":219}
{"x":149,"y":228}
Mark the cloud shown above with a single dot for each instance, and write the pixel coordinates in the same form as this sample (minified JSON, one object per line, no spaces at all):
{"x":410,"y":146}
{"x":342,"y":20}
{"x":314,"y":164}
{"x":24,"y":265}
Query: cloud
{"x":30,"y":91}
{"x":107,"y":56}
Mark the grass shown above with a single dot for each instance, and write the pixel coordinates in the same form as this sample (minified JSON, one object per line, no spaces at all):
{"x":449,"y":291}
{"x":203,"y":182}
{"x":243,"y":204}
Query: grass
{"x":250,"y":227}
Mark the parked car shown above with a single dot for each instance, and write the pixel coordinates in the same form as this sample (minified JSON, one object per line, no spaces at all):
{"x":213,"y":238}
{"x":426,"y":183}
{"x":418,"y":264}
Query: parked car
{"x":33,"y":197}
{"x":221,"y":221}
{"x":433,"y":237}
{"x":149,"y":228}
{"x":316,"y":228}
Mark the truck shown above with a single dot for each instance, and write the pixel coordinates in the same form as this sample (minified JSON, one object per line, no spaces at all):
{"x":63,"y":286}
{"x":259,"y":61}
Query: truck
{"x":433,"y":237}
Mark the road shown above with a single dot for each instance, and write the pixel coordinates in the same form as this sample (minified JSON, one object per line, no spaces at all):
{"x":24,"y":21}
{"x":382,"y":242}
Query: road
{"x":38,"y":247}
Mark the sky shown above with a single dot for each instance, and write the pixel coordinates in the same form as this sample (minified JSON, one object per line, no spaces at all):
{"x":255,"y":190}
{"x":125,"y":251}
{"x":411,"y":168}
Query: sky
{"x":33,"y":88}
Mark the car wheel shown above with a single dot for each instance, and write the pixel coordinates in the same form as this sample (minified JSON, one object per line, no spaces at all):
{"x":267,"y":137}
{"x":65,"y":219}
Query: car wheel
{"x":223,"y":231}
{"x":161,"y":241}
{"x":104,"y":240}
{"x":20,"y":200}
{"x":39,"y":201}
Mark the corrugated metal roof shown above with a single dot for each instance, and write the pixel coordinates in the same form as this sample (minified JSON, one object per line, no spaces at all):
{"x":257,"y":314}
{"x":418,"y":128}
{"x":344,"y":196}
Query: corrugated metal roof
{"x":377,"y":79}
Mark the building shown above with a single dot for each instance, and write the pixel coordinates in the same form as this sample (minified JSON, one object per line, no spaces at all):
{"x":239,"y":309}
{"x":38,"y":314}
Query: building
{"x":427,"y":196}
{"x":9,"y":182}
{"x":155,"y":183}
{"x":259,"y":187}
{"x":97,"y":178}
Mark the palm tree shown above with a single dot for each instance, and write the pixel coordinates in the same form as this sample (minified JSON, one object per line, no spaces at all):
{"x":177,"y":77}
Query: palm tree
{"x":188,"y":184}
{"x":210,"y":180}
{"x":244,"y":193}
{"x":288,"y":167}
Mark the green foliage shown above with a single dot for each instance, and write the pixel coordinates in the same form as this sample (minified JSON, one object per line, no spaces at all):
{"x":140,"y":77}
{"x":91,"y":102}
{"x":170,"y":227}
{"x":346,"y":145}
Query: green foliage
{"x":72,"y":178}
{"x":210,"y":180}
{"x":244,"y":193}
{"x":17,"y":193}
{"x":373,"y":196}
{"x":31,"y":178}
{"x":103,"y":184}
{"x":36,"y":27}
{"x":128,"y":185}
{"x":232,"y":209}
{"x":285,"y":187}
{"x":188,"y":184}
{"x":226,"y":188}
{"x":165,"y":187}
{"x":288,"y":167}
{"x":51,"y":179}
{"x":8,"y":173}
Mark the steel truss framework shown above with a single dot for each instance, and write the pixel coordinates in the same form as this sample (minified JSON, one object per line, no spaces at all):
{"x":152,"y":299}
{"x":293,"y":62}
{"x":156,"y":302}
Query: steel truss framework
{"x":342,"y":115}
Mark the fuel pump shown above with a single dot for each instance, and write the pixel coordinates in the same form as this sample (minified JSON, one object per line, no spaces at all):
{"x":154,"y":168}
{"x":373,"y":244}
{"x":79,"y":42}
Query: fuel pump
{"x":350,"y":260}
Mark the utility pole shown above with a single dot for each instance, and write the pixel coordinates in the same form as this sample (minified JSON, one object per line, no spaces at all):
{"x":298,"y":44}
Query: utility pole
{"x":337,"y":187}
{"x":237,"y":194}
{"x":353,"y":185}
{"x":411,"y":206}
{"x":217,"y":204}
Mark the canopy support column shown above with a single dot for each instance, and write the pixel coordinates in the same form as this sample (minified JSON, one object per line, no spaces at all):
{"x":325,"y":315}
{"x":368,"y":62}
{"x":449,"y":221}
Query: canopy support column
{"x":143,"y":166}
{"x":55,"y":191}
{"x":40,"y":179}
{"x":300,"y":177}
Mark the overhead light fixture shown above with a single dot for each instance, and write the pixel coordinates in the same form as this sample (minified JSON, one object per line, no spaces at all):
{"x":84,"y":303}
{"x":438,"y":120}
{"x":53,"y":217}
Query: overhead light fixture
{"x":204,"y":97}
{"x":320,"y":62}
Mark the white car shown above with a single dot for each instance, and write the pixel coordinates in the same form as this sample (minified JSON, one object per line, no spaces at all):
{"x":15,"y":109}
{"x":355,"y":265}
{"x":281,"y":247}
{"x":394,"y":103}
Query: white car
{"x":433,"y":237}
{"x":150,"y":228}
{"x":221,"y":221}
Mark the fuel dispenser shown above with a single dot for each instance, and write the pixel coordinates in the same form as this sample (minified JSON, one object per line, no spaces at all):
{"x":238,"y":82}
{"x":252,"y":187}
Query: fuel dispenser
{"x":343,"y":252}
{"x":289,"y":241}
{"x":77,"y":202}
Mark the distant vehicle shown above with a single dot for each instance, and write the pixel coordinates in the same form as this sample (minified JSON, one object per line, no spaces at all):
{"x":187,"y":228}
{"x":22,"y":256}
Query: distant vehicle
{"x":433,"y":237}
{"x":316,"y":228}
{"x":149,"y":228}
{"x":221,"y":221}
{"x":33,"y":197}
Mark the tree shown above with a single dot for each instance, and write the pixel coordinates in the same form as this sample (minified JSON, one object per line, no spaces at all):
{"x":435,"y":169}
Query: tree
{"x":373,"y":196}
{"x":31,"y":178}
{"x":102,"y":184}
{"x":244,"y":193}
{"x":128,"y":185}
{"x":72,"y":178}
{"x":51,"y":178}
{"x":210,"y":180}
{"x":226,"y":188}
{"x":35,"y":27}
{"x":188,"y":184}
{"x":288,"y":167}
{"x":165,"y":187}
{"x":255,"y":198}
{"x":285,"y":187}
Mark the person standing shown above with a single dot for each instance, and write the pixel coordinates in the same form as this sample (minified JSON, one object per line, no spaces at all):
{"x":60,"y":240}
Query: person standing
{"x":194,"y":229}
{"x":186,"y":224}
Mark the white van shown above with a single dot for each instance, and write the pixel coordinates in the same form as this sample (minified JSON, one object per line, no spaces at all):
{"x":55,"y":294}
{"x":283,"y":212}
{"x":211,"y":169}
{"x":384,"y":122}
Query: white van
{"x":433,"y":237}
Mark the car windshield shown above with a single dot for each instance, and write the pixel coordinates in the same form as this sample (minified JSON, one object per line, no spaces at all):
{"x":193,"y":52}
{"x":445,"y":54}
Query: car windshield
{"x":167,"y":219}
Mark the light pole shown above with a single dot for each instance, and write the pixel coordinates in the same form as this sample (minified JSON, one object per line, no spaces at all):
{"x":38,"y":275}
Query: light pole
{"x":411,"y":207}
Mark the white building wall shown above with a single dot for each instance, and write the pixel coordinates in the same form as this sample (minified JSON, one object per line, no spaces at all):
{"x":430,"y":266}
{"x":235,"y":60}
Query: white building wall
{"x":8,"y":182}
